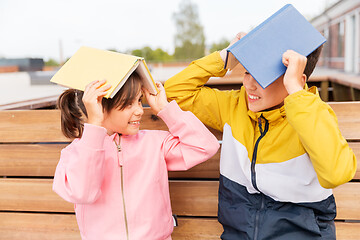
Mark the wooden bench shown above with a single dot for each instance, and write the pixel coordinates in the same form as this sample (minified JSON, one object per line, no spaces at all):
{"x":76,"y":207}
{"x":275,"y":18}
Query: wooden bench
{"x":29,"y":151}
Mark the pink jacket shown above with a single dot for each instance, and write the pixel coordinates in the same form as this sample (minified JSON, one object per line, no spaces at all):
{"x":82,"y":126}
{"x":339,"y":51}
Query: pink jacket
{"x":125,"y":195}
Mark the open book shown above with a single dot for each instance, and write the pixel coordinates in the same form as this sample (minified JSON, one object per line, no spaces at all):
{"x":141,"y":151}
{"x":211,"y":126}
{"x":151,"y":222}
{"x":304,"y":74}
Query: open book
{"x":260,"y":51}
{"x":90,"y":64}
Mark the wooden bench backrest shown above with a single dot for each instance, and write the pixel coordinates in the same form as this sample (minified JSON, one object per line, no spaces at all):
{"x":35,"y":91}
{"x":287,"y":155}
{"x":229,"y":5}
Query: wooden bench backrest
{"x":30,"y":148}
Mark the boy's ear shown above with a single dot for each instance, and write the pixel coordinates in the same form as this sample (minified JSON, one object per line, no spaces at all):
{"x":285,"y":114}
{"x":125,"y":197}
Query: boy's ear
{"x":303,"y":79}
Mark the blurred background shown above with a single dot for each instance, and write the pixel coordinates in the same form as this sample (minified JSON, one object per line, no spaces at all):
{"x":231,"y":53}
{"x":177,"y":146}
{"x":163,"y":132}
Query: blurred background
{"x":38,"y":36}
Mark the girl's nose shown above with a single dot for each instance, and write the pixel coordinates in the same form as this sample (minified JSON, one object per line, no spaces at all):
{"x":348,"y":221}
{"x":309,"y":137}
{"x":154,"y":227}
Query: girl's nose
{"x":139,"y":110}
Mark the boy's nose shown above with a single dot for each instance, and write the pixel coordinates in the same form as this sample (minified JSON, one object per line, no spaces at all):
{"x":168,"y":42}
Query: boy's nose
{"x":249,"y":82}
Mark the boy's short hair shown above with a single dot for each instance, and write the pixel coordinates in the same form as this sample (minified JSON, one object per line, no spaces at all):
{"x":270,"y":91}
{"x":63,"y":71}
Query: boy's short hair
{"x":312,"y":59}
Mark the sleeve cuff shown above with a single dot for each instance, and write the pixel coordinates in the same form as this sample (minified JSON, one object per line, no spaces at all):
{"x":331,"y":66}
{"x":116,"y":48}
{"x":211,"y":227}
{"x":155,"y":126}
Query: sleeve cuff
{"x":213,"y":64}
{"x":170,"y":113}
{"x":93,"y":136}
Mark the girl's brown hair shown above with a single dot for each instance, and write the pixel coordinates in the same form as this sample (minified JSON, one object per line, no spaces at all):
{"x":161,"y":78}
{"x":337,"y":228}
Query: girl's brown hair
{"x":73,"y":111}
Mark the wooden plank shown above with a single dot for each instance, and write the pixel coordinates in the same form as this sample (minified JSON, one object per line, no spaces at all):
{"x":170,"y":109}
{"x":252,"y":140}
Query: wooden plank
{"x":210,"y":228}
{"x":30,"y":126}
{"x":346,"y":111}
{"x":347,"y":230}
{"x":32,"y":226}
{"x":44,"y":125}
{"x":188,"y":198}
{"x":197,"y":228}
{"x":41,"y":160}
{"x":205,"y":170}
{"x":34,"y":195}
{"x":25,"y":126}
{"x":29,"y":159}
{"x":348,"y":114}
{"x":194,"y":198}
{"x":347,"y":197}
{"x":37,"y":226}
{"x":355,"y":146}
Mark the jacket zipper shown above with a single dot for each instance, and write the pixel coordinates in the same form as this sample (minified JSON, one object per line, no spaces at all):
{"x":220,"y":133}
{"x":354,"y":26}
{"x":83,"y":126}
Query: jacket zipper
{"x":118,"y":146}
{"x":256,"y":230}
{"x":123,"y":198}
{"x":254,"y":156}
{"x":253,"y":173}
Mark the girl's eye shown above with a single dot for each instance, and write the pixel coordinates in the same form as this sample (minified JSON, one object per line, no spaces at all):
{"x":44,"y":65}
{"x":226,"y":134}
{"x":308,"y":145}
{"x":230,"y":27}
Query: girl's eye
{"x":246,"y":72}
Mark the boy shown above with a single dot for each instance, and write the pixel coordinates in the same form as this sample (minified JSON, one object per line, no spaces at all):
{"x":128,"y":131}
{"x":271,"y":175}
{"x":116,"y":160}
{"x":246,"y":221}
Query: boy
{"x":282,"y":150}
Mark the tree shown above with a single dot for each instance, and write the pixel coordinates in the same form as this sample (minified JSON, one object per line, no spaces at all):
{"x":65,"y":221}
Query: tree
{"x":161,"y":55}
{"x":145,"y":52}
{"x":51,"y":62}
{"x":189,"y":37}
{"x":157,"y":55}
{"x":219,"y":46}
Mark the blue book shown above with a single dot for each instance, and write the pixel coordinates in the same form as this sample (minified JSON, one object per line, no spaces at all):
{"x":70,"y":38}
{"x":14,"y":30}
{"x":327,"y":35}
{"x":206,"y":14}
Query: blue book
{"x":260,"y":51}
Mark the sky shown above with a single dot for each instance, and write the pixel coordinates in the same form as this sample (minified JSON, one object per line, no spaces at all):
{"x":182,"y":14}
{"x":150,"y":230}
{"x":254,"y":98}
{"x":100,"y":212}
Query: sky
{"x":57,"y":28}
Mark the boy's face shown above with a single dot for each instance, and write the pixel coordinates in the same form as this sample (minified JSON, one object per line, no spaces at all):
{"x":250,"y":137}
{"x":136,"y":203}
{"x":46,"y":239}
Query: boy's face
{"x":260,"y":99}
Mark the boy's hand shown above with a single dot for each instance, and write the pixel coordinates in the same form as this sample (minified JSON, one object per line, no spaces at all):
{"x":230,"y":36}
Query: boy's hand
{"x":93,"y":94}
{"x":157,"y":102}
{"x":237,"y":38}
{"x":294,"y":77}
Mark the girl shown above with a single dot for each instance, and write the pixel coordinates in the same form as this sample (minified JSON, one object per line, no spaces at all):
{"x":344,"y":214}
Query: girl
{"x":115,"y":174}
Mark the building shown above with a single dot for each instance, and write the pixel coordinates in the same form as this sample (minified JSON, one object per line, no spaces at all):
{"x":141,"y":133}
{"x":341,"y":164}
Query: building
{"x":340,"y":24}
{"x":22,"y":64}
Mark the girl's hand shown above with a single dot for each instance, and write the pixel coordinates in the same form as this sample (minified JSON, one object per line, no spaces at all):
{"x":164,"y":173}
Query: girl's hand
{"x":294,"y":77}
{"x":93,"y":94}
{"x":157,"y":102}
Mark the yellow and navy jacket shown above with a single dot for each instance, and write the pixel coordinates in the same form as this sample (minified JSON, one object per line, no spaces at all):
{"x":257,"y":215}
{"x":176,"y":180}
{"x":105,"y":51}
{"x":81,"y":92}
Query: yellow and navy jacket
{"x":277,"y":167}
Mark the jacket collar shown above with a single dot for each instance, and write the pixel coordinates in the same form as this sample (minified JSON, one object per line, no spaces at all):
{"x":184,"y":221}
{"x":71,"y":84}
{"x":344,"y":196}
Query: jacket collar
{"x":272,"y":116}
{"x":276,"y":115}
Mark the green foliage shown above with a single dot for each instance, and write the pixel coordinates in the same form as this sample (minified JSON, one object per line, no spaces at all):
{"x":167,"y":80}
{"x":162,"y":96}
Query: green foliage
{"x":189,"y":37}
{"x":52,"y":63}
{"x":219,"y":46}
{"x":157,"y":55}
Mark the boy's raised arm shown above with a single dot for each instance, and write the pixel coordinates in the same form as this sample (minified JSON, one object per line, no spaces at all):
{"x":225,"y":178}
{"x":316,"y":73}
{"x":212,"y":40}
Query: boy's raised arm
{"x":187,"y":88}
{"x":316,"y":124}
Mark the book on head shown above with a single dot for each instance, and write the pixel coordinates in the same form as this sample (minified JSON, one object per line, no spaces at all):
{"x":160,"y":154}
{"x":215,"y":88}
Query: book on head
{"x":90,"y":64}
{"x":260,"y":51}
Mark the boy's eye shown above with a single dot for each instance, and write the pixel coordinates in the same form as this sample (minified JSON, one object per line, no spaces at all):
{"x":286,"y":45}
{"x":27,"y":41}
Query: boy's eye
{"x":246,"y":72}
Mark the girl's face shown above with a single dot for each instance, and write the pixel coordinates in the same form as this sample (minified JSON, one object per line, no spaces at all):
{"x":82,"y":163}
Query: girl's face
{"x":126,"y":121}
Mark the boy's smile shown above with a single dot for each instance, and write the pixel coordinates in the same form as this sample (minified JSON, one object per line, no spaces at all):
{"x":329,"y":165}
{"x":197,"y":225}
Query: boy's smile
{"x":260,"y":99}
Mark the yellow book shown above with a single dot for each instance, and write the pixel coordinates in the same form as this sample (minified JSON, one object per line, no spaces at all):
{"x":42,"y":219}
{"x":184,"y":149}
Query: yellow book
{"x":90,"y":64}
